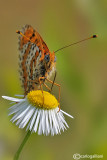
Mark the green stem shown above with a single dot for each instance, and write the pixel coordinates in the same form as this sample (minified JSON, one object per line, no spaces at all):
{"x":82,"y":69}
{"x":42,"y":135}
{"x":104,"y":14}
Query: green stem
{"x":16,"y":157}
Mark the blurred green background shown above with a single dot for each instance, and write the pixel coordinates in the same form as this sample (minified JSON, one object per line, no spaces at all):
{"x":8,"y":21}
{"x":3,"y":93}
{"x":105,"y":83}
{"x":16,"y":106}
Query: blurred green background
{"x":82,"y":73}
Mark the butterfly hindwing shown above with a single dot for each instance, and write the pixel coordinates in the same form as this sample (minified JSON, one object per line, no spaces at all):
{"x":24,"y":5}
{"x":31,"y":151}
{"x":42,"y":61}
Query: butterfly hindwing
{"x":30,"y":53}
{"x":33,"y":62}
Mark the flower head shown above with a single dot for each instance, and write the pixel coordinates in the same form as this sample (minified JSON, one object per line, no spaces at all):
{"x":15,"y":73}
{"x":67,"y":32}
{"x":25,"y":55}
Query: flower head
{"x":38,"y":115}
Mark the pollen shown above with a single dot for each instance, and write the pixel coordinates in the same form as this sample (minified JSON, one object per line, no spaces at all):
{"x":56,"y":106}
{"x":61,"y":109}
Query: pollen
{"x":43,"y":100}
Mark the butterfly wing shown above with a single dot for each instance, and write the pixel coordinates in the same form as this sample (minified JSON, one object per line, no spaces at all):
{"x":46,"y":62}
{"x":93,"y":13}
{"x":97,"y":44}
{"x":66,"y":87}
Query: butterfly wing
{"x":32,"y":49}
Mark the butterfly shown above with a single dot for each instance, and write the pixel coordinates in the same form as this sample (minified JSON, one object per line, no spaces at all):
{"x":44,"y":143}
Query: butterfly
{"x":36,"y":62}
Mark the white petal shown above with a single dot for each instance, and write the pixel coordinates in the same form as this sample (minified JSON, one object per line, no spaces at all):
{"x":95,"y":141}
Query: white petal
{"x":47,"y":122}
{"x":17,"y":107}
{"x":18,"y":95}
{"x":66,"y":114}
{"x":20,"y":114}
{"x":63,"y":120}
{"x":43,"y":122}
{"x":29,"y":117}
{"x":37,"y":121}
{"x":62,"y":126}
{"x":16,"y":104}
{"x":58,"y":121}
{"x":19,"y":120}
{"x":50,"y":121}
{"x":54,"y":122}
{"x":40,"y":124}
{"x":33,"y":119}
{"x":53,"y":128}
{"x":13,"y":99}
{"x":30,"y":125}
{"x":26,"y":117}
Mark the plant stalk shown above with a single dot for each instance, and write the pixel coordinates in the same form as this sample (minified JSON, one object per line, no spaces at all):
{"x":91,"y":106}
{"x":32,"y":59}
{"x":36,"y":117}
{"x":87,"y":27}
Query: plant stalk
{"x":16,"y":157}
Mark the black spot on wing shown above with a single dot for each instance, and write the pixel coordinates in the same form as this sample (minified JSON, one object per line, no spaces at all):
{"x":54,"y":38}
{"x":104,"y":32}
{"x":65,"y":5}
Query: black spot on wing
{"x":33,"y":35}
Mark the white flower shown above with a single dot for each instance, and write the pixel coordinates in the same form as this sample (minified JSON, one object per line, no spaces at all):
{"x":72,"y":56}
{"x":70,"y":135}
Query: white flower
{"x":38,"y":116}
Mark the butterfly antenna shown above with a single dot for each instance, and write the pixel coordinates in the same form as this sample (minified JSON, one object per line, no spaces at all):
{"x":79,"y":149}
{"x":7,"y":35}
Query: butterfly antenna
{"x":23,"y":35}
{"x":94,"y":36}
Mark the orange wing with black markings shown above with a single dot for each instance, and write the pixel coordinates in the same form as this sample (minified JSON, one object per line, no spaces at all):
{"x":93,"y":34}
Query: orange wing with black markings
{"x":29,"y":45}
{"x":34,"y":37}
{"x":31,"y":58}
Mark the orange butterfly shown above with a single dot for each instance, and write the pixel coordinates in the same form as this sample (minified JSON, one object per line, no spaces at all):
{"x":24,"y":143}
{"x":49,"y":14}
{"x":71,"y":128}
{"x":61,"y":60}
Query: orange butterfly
{"x":36,"y":62}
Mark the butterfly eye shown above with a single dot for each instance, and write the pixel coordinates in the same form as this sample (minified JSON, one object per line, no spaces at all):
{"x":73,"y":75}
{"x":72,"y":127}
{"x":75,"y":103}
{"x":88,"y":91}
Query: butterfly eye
{"x":47,"y":58}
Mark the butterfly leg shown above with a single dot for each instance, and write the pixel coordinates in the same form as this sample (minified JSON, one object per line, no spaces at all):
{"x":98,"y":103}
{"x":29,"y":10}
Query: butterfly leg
{"x":47,"y":87}
{"x":40,"y":78}
{"x":53,"y":81}
{"x":59,"y":90}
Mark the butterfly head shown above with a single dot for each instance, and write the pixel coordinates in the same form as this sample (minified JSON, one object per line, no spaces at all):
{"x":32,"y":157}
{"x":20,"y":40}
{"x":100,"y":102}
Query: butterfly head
{"x":49,"y":58}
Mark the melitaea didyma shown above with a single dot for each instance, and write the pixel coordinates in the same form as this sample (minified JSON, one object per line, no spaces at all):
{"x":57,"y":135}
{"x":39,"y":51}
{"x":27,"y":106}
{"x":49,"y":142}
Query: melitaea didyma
{"x":36,"y":62}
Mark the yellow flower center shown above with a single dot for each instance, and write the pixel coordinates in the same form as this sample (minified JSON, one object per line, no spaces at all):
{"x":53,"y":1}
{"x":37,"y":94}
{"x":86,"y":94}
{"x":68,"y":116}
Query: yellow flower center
{"x":42,"y":100}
